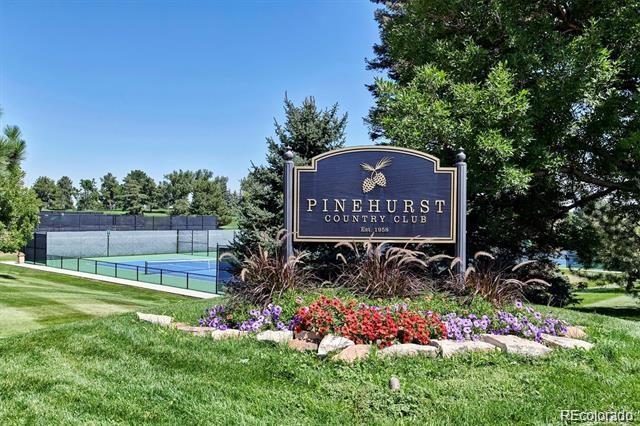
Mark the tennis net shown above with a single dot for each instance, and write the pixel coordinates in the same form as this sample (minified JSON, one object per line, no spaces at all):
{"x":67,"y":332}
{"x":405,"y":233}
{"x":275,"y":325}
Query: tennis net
{"x":178,"y":265}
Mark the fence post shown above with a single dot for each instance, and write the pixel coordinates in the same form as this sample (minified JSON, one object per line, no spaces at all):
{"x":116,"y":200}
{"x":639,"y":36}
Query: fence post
{"x":78,"y":265}
{"x":137,"y":273}
{"x":95,"y":265}
{"x":461,"y":235}
{"x":187,"y":280}
{"x":161,"y":276}
{"x":192,"y":242}
{"x":116,"y":269}
{"x":288,"y":202}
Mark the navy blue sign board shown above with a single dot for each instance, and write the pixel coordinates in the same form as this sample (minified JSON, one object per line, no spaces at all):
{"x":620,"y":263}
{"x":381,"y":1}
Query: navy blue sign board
{"x":374,"y":193}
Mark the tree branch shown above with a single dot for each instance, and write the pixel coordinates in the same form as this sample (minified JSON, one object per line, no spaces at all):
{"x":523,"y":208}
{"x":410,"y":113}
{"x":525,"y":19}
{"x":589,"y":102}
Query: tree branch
{"x":623,"y":186}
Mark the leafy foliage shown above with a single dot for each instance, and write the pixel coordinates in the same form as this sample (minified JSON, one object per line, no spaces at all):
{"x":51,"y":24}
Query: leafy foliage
{"x":138,"y":192}
{"x":46,"y":191}
{"x":88,"y":196}
{"x":608,"y":234}
{"x":543,"y":97}
{"x":19,"y":205}
{"x":110,"y":191}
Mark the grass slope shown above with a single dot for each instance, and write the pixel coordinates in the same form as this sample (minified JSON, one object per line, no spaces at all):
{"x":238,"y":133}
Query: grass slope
{"x":117,"y":369}
{"x":31,"y":299}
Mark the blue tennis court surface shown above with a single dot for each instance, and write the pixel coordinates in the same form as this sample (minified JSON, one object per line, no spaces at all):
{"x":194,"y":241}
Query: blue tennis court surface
{"x":177,"y":270}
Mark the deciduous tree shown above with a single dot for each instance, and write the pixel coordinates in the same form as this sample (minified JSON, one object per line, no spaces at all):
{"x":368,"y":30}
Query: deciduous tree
{"x":88,"y":196}
{"x":543,"y":97}
{"x":46,"y":190}
{"x":19,"y":205}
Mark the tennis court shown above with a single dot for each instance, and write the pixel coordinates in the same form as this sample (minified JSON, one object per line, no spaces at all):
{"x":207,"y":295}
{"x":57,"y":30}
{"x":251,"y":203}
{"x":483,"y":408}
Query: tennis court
{"x":190,"y":271}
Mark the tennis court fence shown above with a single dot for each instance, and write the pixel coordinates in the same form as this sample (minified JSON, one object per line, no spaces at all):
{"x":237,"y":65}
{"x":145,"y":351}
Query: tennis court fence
{"x":167,"y":273}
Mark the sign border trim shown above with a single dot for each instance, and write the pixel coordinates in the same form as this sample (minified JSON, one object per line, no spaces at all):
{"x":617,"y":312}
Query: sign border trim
{"x":417,"y":239}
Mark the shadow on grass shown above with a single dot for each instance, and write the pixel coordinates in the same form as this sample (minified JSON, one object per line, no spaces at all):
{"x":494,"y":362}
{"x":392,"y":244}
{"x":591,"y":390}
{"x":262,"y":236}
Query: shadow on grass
{"x":7,"y":277}
{"x":626,"y":312}
{"x":601,"y":290}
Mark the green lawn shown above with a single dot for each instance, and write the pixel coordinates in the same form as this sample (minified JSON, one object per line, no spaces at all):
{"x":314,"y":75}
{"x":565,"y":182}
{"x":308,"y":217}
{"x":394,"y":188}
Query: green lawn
{"x":30,"y":300}
{"x":116,"y":369}
{"x":610,"y":300}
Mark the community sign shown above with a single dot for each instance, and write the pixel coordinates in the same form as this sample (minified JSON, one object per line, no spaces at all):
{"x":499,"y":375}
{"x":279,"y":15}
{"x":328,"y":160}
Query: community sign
{"x":374,"y":193}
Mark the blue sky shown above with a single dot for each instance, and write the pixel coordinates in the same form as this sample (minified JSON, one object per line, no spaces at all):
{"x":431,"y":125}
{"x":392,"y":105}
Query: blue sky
{"x":113,"y":86}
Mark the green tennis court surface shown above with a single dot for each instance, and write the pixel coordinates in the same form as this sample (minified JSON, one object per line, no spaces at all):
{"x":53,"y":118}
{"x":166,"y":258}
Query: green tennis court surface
{"x":189,"y":271}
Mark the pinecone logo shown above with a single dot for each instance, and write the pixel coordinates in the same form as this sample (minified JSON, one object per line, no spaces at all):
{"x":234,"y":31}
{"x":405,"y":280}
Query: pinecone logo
{"x":377,"y":178}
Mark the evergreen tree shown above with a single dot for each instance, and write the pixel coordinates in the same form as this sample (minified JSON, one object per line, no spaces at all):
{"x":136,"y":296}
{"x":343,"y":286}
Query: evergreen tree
{"x":309,"y":131}
{"x":133,"y":197}
{"x":66,"y":194}
{"x":146,"y":184}
{"x":543,"y":97}
{"x":19,"y":205}
{"x":181,"y":207}
{"x":607,"y":234}
{"x":109,"y":191}
{"x":46,"y":190}
{"x":210,"y":197}
{"x":88,"y":197}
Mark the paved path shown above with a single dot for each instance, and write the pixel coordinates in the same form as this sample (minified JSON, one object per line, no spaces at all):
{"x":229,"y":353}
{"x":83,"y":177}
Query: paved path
{"x":156,"y":287}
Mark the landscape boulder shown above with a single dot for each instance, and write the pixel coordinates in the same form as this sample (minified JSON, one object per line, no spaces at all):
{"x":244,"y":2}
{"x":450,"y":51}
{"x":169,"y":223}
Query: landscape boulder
{"x":332,"y":343}
{"x":164,"y":320}
{"x":195,"y":330}
{"x":516,"y":345}
{"x":409,"y":349}
{"x":226,"y":334}
{"x":448,"y":348}
{"x":575,"y":332}
{"x":565,"y":342}
{"x":302,"y":345}
{"x":277,"y":336}
{"x":353,"y":353}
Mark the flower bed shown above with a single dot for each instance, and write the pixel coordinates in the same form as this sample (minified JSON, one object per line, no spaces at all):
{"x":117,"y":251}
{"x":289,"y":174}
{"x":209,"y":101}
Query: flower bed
{"x":386,"y":325}
{"x":525,"y":322}
{"x":363,"y":323}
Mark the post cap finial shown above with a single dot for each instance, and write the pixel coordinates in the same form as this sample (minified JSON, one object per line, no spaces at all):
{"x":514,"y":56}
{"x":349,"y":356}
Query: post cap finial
{"x":461,"y":156}
{"x":288,"y":153}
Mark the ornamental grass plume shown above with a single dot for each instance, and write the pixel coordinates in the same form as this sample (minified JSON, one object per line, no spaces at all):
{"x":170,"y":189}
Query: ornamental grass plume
{"x":265,"y":273}
{"x":384,"y":271}
{"x":487,"y":279}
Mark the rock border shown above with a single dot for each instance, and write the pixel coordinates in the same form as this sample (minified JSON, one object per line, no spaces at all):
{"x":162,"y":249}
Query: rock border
{"x":345,"y":350}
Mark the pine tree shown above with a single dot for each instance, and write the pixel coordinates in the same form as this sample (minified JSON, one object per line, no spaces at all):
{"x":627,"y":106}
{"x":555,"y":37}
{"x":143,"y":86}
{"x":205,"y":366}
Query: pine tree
{"x":133,"y":198}
{"x":308,"y":131}
{"x":109,"y":191}
{"x":146,"y":184}
{"x":66,"y":194}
